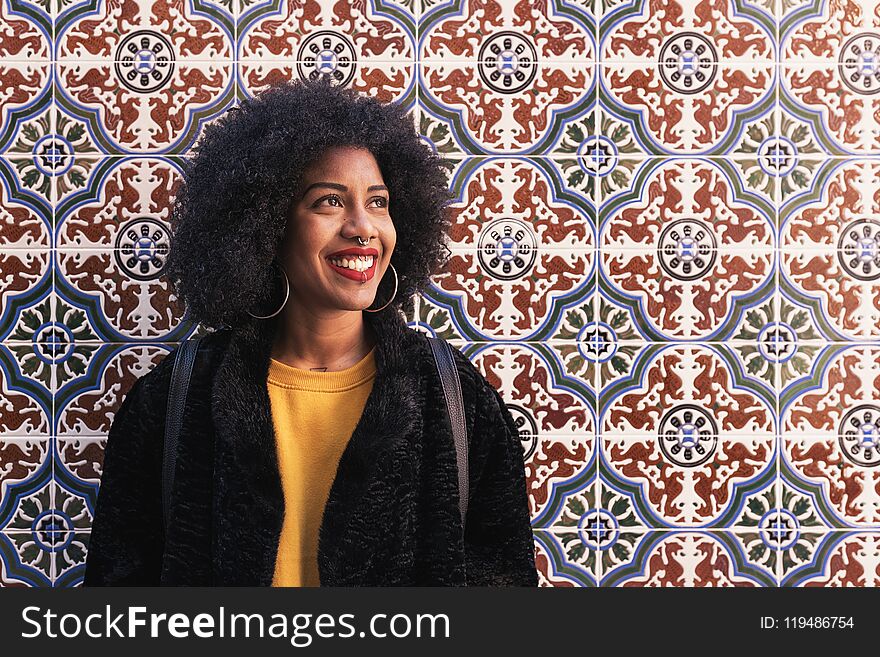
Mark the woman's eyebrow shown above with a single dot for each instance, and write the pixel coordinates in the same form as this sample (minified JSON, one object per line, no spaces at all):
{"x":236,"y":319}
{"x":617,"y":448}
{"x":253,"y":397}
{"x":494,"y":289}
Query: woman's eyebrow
{"x":343,"y":188}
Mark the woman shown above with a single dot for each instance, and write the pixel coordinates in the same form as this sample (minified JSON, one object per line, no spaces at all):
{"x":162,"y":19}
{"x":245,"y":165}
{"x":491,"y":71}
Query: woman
{"x":316,"y":446}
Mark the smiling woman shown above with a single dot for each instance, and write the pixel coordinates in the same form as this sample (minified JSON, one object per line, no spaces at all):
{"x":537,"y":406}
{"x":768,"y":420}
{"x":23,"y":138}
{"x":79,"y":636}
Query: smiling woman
{"x":315,"y":445}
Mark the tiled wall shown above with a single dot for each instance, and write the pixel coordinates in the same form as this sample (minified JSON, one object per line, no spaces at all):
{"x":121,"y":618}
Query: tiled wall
{"x":666,"y":256}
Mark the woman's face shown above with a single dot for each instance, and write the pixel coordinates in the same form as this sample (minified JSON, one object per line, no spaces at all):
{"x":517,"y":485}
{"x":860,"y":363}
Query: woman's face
{"x":342,"y":196}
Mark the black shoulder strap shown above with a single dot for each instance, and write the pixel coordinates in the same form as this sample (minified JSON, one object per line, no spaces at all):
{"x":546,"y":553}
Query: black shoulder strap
{"x":454,"y":405}
{"x":180,"y":375}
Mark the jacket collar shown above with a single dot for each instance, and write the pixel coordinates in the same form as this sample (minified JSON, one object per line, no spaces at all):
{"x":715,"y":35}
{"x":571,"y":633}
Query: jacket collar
{"x":248,"y":502}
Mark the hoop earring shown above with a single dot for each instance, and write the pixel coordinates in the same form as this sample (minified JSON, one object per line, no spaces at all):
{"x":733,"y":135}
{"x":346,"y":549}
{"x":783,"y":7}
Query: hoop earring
{"x":286,"y":296}
{"x":394,"y":271}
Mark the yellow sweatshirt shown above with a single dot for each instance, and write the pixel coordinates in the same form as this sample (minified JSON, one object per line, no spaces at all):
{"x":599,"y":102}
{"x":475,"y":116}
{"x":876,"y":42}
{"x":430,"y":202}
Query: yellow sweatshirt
{"x":314,"y":414}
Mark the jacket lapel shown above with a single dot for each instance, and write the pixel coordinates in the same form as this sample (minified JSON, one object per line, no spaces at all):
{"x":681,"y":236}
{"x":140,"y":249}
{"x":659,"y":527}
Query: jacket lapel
{"x":248,"y":501}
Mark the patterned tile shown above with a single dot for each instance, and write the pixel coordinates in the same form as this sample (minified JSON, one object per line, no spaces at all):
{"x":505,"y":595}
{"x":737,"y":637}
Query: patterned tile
{"x":832,"y":559}
{"x":505,"y":114}
{"x":664,"y":253}
{"x":92,"y":380}
{"x":688,"y":559}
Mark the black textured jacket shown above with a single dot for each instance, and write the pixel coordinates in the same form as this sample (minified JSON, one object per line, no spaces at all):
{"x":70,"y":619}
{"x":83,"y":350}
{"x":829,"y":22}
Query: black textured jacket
{"x":392,"y":516}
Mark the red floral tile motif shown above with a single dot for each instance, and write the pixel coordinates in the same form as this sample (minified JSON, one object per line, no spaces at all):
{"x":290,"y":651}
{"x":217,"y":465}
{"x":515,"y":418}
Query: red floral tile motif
{"x":508,"y":117}
{"x":847,"y":392}
{"x":702,"y":63}
{"x":143,"y":38}
{"x":121,"y":292}
{"x":26,"y":278}
{"x":510,"y":36}
{"x":844,"y":283}
{"x":387,"y":82}
{"x":844,"y":116}
{"x":687,"y":434}
{"x":327,"y":37}
{"x":129,"y":211}
{"x":689,"y":560}
{"x":830,"y":62}
{"x":844,"y":468}
{"x":20,"y":459}
{"x":552,"y":461}
{"x":22,"y":83}
{"x":527,"y":194}
{"x":554,"y":415}
{"x":686,"y":39}
{"x":22,"y":41}
{"x":368,"y":47}
{"x":500,"y":300}
{"x":852,"y":561}
{"x":841,"y":31}
{"x":87,"y":403}
{"x":685,"y":250}
{"x":841,"y":215}
{"x":158,"y":113}
{"x":540,"y":400}
{"x":690,"y":377}
{"x":151,"y":77}
{"x":25,"y":76}
{"x":83,"y":456}
{"x":701,"y":119}
{"x":519,"y":250}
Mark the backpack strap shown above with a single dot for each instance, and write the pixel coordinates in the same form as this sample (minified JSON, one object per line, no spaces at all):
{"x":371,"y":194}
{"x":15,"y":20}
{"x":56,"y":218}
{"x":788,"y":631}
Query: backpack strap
{"x":184,"y":360}
{"x":455,"y":407}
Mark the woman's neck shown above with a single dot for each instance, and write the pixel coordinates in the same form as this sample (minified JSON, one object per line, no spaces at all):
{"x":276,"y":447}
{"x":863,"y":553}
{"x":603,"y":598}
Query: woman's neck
{"x":323,"y":343}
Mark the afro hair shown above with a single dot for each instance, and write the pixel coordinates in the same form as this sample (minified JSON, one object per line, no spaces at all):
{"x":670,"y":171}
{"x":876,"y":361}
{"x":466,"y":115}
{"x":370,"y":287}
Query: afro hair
{"x":231,"y":206}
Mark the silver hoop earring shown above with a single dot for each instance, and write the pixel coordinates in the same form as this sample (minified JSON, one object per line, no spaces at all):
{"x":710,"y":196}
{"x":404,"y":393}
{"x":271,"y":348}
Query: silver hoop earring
{"x":286,"y":296}
{"x":394,"y":271}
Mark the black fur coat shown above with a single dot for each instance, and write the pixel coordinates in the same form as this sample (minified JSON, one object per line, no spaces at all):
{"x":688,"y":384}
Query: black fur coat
{"x":392,"y":516}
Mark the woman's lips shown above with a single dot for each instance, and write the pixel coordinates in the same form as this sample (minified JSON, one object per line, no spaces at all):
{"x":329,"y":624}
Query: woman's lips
{"x":354,"y":274}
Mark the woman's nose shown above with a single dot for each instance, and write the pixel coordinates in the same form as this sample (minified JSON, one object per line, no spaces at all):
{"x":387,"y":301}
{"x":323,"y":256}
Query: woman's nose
{"x":360,"y":223}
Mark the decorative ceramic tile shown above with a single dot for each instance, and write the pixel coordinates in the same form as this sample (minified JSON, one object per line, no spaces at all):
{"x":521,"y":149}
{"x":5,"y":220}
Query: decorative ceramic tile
{"x":324,"y":36}
{"x":834,"y":559}
{"x":118,"y":203}
{"x":507,"y":38}
{"x":664,"y":253}
{"x":687,"y":435}
{"x":513,"y":114}
{"x":564,"y":559}
{"x":541,"y":395}
{"x":560,"y":471}
{"x":689,"y":559}
{"x":92,"y":380}
{"x":685,"y":251}
{"x":144,"y":40}
{"x":706,"y":115}
{"x":25,"y":486}
{"x":160,"y":113}
{"x":25,"y":559}
{"x":388,"y":81}
{"x":117,"y":294}
{"x":26,"y":276}
{"x":841,"y":105}
{"x":686,"y":39}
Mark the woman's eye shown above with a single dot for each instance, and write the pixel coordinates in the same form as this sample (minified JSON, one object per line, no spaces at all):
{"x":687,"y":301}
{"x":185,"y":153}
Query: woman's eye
{"x":330,"y":198}
{"x":383,"y":202}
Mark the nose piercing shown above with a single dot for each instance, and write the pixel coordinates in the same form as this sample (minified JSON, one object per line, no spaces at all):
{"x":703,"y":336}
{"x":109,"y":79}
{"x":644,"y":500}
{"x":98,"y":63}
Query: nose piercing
{"x":362,"y":241}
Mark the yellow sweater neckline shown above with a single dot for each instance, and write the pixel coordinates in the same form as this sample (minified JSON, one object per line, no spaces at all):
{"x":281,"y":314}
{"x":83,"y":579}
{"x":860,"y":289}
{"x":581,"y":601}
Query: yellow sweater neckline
{"x":287,"y":376}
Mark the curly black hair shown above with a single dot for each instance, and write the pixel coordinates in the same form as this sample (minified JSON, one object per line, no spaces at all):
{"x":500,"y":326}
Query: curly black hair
{"x":230,"y":209}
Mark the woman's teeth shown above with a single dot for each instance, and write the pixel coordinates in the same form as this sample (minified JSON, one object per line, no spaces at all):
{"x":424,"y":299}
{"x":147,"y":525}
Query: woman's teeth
{"x":358,"y":263}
